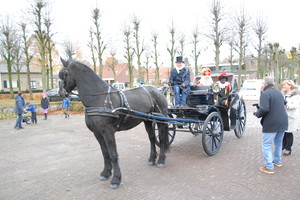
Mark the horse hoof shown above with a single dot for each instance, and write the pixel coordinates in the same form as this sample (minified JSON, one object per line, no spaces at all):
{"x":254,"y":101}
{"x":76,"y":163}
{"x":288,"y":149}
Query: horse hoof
{"x":160,"y":165}
{"x":114,"y":186}
{"x":151,"y":163}
{"x":103,"y":178}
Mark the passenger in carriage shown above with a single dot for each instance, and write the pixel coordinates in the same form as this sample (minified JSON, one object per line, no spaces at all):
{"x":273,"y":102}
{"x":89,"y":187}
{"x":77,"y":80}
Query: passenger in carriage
{"x":205,"y":78}
{"x":180,"y":81}
{"x":225,"y":89}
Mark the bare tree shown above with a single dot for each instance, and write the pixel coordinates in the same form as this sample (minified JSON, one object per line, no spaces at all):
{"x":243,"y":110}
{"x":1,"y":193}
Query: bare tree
{"x":231,"y":43}
{"x":70,"y":48}
{"x":27,"y":56}
{"x":92,"y":48}
{"x":111,"y":62}
{"x":260,"y":28}
{"x":147,"y":67}
{"x":195,"y":51}
{"x":242,"y":23}
{"x":50,"y":44}
{"x":276,"y":52}
{"x":217,"y":29}
{"x":139,"y":48}
{"x":181,"y":44}
{"x":155,"y":56}
{"x":7,"y":46}
{"x":294,"y":57}
{"x":172,"y":50}
{"x":101,"y":46}
{"x":129,"y":52}
{"x":37,"y":11}
{"x":17,"y":62}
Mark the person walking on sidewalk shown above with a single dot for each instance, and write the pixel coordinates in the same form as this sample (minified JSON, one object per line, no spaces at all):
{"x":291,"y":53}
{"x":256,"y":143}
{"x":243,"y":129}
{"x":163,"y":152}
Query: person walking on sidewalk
{"x":274,"y":123}
{"x":19,"y":110}
{"x":66,"y":106}
{"x":31,"y":108}
{"x":45,"y":105}
{"x":292,"y":96}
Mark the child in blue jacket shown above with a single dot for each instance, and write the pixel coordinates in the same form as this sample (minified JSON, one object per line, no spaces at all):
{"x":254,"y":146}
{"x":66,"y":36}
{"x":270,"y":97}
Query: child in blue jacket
{"x":31,"y":108}
{"x":66,"y":106}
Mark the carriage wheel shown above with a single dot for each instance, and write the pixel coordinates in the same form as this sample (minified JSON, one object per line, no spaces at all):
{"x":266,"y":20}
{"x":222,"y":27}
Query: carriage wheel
{"x":171,"y":132}
{"x":212,"y":134}
{"x":195,"y":128}
{"x":240,"y":119}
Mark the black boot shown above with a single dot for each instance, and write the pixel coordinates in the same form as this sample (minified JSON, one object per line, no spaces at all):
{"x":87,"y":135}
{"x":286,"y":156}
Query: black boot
{"x":45,"y":118}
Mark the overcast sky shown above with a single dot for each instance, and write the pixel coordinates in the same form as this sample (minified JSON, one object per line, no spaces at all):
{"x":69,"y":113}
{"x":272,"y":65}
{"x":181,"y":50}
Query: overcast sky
{"x":72,"y":19}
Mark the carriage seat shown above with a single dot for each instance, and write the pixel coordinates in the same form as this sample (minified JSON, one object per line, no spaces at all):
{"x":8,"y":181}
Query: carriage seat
{"x":200,"y":95}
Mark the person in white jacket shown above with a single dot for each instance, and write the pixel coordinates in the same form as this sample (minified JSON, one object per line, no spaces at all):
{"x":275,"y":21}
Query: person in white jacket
{"x":292,"y":96}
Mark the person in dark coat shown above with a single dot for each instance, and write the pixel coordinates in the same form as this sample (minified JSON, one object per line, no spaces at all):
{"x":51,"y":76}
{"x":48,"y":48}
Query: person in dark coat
{"x":274,"y":123}
{"x":19,"y":110}
{"x":45,"y":105}
{"x":180,"y":81}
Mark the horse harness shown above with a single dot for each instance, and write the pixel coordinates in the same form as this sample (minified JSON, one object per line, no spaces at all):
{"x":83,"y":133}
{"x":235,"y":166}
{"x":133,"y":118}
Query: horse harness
{"x":107,"y":109}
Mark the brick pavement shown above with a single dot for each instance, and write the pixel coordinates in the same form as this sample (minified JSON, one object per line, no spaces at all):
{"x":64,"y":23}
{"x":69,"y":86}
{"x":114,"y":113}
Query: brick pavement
{"x":60,"y":159}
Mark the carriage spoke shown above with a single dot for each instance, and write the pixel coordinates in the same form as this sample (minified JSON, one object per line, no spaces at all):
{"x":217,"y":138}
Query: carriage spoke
{"x":218,"y":139}
{"x":218,"y":125}
{"x":208,"y":130}
{"x":210,"y":138}
{"x":215,"y":143}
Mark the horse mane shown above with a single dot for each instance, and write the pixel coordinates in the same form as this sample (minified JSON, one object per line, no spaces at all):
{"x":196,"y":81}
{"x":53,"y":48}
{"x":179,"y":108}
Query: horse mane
{"x":83,"y":68}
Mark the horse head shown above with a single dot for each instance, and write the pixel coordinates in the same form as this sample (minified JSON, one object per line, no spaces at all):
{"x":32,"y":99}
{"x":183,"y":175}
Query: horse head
{"x":68,"y":83}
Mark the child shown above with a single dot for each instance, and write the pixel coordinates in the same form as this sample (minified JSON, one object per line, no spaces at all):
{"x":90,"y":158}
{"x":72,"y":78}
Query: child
{"x":31,"y":108}
{"x":65,"y":106}
{"x":45,"y":105}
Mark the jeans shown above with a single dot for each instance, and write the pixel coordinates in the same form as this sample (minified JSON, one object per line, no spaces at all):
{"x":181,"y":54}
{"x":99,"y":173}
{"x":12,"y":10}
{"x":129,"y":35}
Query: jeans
{"x":19,"y":121}
{"x":267,"y":142}
{"x":180,"y":100}
{"x":33,"y":117}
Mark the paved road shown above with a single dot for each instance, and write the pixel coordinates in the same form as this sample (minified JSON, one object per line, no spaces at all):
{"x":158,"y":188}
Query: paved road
{"x":60,"y":159}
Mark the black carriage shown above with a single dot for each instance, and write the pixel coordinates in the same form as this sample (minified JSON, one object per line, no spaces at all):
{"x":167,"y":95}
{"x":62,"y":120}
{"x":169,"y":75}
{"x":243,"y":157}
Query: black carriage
{"x":203,"y":116}
{"x":108,"y":110}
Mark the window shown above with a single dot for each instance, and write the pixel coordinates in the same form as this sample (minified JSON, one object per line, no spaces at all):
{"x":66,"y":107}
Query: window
{"x":33,"y":85}
{"x":5,"y":84}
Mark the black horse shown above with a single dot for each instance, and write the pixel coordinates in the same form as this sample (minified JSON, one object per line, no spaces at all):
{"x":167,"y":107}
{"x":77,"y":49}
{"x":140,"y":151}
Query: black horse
{"x":100,"y":99}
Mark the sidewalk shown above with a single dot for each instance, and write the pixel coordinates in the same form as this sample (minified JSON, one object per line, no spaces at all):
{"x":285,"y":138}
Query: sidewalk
{"x":59,"y":158}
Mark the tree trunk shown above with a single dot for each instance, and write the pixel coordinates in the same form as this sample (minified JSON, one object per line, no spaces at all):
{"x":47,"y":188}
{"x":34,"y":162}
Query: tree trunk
{"x":11,"y":91}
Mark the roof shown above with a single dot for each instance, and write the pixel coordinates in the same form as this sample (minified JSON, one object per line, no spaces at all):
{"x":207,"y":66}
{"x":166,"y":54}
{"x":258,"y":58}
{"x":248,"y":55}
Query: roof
{"x":121,"y":72}
{"x":3,"y":69}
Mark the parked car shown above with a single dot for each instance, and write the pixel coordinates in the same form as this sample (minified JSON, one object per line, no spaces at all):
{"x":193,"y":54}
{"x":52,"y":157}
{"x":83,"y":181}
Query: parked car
{"x":120,"y":86}
{"x":251,"y":89}
{"x":53,"y":95}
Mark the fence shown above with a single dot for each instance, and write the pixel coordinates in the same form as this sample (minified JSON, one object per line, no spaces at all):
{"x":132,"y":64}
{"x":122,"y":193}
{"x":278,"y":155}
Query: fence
{"x":7,"y":112}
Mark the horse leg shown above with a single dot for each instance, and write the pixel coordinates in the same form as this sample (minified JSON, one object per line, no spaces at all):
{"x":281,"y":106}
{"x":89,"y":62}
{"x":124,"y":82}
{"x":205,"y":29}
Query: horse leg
{"x":106,"y":173}
{"x":163,"y":138}
{"x":110,"y":141}
{"x":151,"y":134}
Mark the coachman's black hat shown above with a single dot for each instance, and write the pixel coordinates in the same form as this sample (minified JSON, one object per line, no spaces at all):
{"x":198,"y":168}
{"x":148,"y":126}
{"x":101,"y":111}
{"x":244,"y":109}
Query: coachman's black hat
{"x":179,"y":59}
